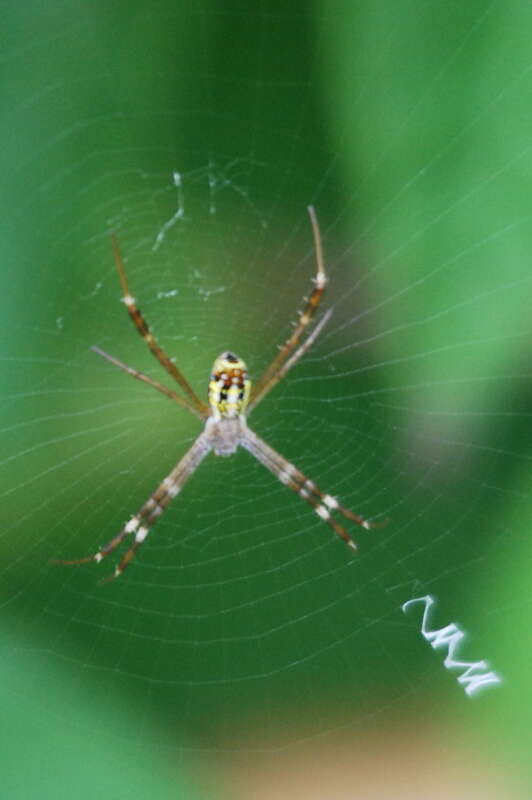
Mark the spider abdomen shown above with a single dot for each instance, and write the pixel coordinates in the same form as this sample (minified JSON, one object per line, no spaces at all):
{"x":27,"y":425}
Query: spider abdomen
{"x":229,"y":387}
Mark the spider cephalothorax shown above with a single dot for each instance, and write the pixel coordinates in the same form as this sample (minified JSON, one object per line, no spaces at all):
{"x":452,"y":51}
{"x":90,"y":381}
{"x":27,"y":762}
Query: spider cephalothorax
{"x":225,"y":429}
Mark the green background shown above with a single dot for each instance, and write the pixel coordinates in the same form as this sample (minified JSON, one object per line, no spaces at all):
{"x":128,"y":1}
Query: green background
{"x":409,"y":126}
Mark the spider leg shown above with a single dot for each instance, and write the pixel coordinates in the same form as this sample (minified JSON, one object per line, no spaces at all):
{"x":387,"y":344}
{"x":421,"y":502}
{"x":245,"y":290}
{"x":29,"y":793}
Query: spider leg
{"x":142,"y":326}
{"x":294,"y":358}
{"x":141,"y":523}
{"x":182,"y":401}
{"x":320,"y":282}
{"x":323,"y":504}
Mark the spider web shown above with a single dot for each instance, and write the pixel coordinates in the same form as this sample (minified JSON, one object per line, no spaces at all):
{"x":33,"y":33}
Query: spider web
{"x":199,"y":135}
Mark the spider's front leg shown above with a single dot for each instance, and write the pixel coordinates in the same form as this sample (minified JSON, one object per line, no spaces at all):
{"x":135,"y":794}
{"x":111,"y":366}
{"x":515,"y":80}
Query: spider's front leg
{"x":323,"y":504}
{"x":141,"y":523}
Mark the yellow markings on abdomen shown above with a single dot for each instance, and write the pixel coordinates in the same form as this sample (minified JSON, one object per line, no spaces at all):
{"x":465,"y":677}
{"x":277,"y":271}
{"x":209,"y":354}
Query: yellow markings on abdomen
{"x":229,"y":386}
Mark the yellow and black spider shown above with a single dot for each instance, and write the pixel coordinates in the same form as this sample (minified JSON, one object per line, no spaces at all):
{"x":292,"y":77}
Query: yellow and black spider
{"x":231,"y":397}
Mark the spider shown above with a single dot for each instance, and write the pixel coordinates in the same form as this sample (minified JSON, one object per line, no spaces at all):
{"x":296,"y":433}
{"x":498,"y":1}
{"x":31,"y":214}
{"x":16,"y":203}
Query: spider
{"x":231,"y":397}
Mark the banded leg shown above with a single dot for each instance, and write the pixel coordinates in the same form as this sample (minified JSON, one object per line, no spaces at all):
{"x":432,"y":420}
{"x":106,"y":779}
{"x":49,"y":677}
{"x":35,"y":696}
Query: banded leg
{"x":145,"y":379}
{"x":323,"y":504}
{"x":294,"y":358}
{"x":142,"y":326}
{"x":263,"y":385}
{"x":141,"y":523}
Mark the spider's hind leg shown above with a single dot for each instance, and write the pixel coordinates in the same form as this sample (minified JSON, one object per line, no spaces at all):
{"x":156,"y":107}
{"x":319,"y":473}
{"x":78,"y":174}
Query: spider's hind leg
{"x":192,"y":401}
{"x":268,"y":379}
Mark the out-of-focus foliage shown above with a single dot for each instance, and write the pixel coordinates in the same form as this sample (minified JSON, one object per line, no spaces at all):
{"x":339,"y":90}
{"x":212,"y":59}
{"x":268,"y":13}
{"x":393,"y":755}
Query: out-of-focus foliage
{"x":409,"y":127}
